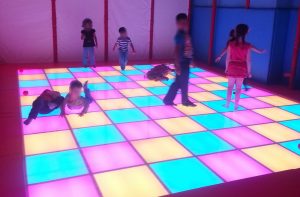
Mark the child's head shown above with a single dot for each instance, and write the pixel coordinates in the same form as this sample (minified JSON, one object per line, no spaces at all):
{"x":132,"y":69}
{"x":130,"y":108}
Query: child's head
{"x":87,"y":23}
{"x":182,"y":21}
{"x":123,"y":31}
{"x":241,"y":31}
{"x":75,"y":89}
{"x":232,"y":33}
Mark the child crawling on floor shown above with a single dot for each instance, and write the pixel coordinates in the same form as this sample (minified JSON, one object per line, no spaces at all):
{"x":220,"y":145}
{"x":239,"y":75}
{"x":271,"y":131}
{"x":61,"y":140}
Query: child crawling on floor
{"x":47,"y":102}
{"x":74,"y":100}
{"x":159,"y":73}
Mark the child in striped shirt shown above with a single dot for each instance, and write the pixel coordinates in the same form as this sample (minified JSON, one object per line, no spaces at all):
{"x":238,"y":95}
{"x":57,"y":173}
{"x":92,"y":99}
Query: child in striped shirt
{"x":122,"y":42}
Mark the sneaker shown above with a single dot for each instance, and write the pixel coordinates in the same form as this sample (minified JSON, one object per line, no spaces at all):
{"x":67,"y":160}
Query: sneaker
{"x":169,"y":103}
{"x":28,"y":121}
{"x":189,"y":104}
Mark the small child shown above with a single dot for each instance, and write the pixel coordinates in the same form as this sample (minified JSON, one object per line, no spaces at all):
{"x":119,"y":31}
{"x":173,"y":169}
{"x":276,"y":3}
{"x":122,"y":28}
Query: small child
{"x":122,"y":42}
{"x":89,"y":38}
{"x":159,"y":73}
{"x":74,"y":101}
{"x":47,"y":102}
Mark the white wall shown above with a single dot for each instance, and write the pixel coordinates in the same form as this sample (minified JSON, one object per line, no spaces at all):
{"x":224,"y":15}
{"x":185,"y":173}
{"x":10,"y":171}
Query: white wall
{"x":26,"y":31}
{"x":70,"y":14}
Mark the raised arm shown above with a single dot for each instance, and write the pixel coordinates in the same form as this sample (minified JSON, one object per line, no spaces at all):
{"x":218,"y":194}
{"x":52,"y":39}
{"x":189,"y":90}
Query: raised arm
{"x":256,"y":50}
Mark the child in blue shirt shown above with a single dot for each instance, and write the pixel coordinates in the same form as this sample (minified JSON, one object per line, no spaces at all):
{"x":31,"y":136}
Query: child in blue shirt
{"x":183,"y":58}
{"x":122,"y":42}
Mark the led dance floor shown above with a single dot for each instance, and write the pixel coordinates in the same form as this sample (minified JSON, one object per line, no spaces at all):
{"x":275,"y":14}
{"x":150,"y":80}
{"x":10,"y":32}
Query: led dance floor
{"x":130,"y":144}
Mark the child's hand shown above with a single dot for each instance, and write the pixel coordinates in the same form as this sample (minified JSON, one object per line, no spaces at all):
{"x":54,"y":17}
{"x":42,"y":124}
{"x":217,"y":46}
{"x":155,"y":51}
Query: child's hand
{"x":218,"y":59}
{"x":133,"y":52}
{"x":81,"y":114}
{"x":178,"y":71}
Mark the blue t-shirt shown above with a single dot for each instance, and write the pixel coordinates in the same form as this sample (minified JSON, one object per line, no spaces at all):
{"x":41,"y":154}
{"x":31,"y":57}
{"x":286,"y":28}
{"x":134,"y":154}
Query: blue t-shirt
{"x":123,"y":43}
{"x":183,"y":40}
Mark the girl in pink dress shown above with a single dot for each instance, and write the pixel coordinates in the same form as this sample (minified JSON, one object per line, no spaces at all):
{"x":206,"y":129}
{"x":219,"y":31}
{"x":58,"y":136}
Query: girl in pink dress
{"x":238,"y":62}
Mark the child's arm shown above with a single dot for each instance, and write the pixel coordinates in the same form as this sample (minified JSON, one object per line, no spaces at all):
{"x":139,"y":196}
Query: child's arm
{"x":227,"y":59}
{"x":82,"y":36}
{"x":62,"y":107}
{"x":95,"y":38}
{"x":256,"y":50}
{"x":85,"y":108}
{"x":218,"y":59}
{"x":132,"y":47}
{"x":177,"y":66}
{"x":249,"y":64}
{"x":116,"y":44}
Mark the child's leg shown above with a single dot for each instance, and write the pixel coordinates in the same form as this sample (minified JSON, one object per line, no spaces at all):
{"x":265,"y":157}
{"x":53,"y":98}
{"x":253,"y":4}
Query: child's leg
{"x":231,"y":82}
{"x":245,"y":84}
{"x":169,"y":98}
{"x":121,"y":60}
{"x":85,"y":55}
{"x":125,"y":59}
{"x":92,"y":56}
{"x":238,"y":87}
{"x":37,"y":106}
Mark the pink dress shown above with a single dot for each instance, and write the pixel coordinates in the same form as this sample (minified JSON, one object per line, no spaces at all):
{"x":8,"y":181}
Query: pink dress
{"x":237,"y":66}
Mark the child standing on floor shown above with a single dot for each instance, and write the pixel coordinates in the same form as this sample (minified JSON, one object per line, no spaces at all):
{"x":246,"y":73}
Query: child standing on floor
{"x":183,"y":57}
{"x":88,"y":35}
{"x":74,"y":100}
{"x":47,"y":102}
{"x":238,"y":63}
{"x":231,"y":39}
{"x":122,"y":42}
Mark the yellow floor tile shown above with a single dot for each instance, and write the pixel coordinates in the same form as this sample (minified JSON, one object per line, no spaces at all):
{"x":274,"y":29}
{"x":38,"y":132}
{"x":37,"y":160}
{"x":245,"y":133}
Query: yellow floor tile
{"x":276,"y":114}
{"x":56,"y":70}
{"x":275,"y":157}
{"x":88,"y":120}
{"x":147,"y":84}
{"x":109,"y":73}
{"x":180,"y":125}
{"x":199,"y":109}
{"x":110,"y":104}
{"x":130,"y":182}
{"x":204,"y":96}
{"x":27,"y":100}
{"x":217,"y":79}
{"x":32,"y":77}
{"x":128,"y":67}
{"x":160,"y":149}
{"x":48,"y":142}
{"x":276,"y":100}
{"x":135,"y":92}
{"x":61,"y":89}
{"x":92,"y":80}
{"x":211,"y":86}
{"x":276,"y":132}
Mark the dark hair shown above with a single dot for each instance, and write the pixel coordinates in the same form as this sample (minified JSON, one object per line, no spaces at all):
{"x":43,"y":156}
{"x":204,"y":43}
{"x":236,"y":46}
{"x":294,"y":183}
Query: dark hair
{"x":231,"y":36}
{"x":241,"y":30}
{"x":75,"y":84}
{"x":122,"y":30}
{"x":86,"y":21}
{"x":181,"y":16}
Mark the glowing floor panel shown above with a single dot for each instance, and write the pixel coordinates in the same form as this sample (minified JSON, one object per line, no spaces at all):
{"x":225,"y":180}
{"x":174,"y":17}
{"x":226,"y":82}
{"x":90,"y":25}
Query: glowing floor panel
{"x":130,"y":144}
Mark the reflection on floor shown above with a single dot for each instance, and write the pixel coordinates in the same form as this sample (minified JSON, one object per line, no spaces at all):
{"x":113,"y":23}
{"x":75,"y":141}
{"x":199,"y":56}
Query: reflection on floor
{"x":130,"y":144}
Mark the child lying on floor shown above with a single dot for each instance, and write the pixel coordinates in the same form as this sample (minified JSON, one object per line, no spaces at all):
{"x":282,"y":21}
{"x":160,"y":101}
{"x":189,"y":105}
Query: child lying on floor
{"x":45,"y":103}
{"x":159,"y":73}
{"x":74,"y":101}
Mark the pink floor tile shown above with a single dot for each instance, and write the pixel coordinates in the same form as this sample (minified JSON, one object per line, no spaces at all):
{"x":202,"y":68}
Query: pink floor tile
{"x":193,"y":88}
{"x":73,"y":187}
{"x":137,"y":77}
{"x":103,"y":68}
{"x":199,"y":81}
{"x":106,"y":94}
{"x":252,"y":103}
{"x":146,"y":129}
{"x":256,"y":92}
{"x":33,"y":91}
{"x":242,"y":137}
{"x":45,"y":124}
{"x":205,"y":74}
{"x":125,"y":85}
{"x":85,"y":74}
{"x":111,"y":156}
{"x":247,"y":117}
{"x":92,"y":108}
{"x":234,"y":165}
{"x":161,"y":112}
{"x":30,"y":71}
{"x":60,"y":82}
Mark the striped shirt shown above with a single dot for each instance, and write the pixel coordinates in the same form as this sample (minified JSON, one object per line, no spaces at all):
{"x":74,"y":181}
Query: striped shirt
{"x":123,"y":43}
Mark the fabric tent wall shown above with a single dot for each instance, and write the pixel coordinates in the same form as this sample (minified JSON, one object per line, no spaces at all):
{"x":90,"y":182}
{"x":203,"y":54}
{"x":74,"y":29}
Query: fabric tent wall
{"x":135,"y":16}
{"x":26,"y":31}
{"x":70,"y":14}
{"x":164,"y":26}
